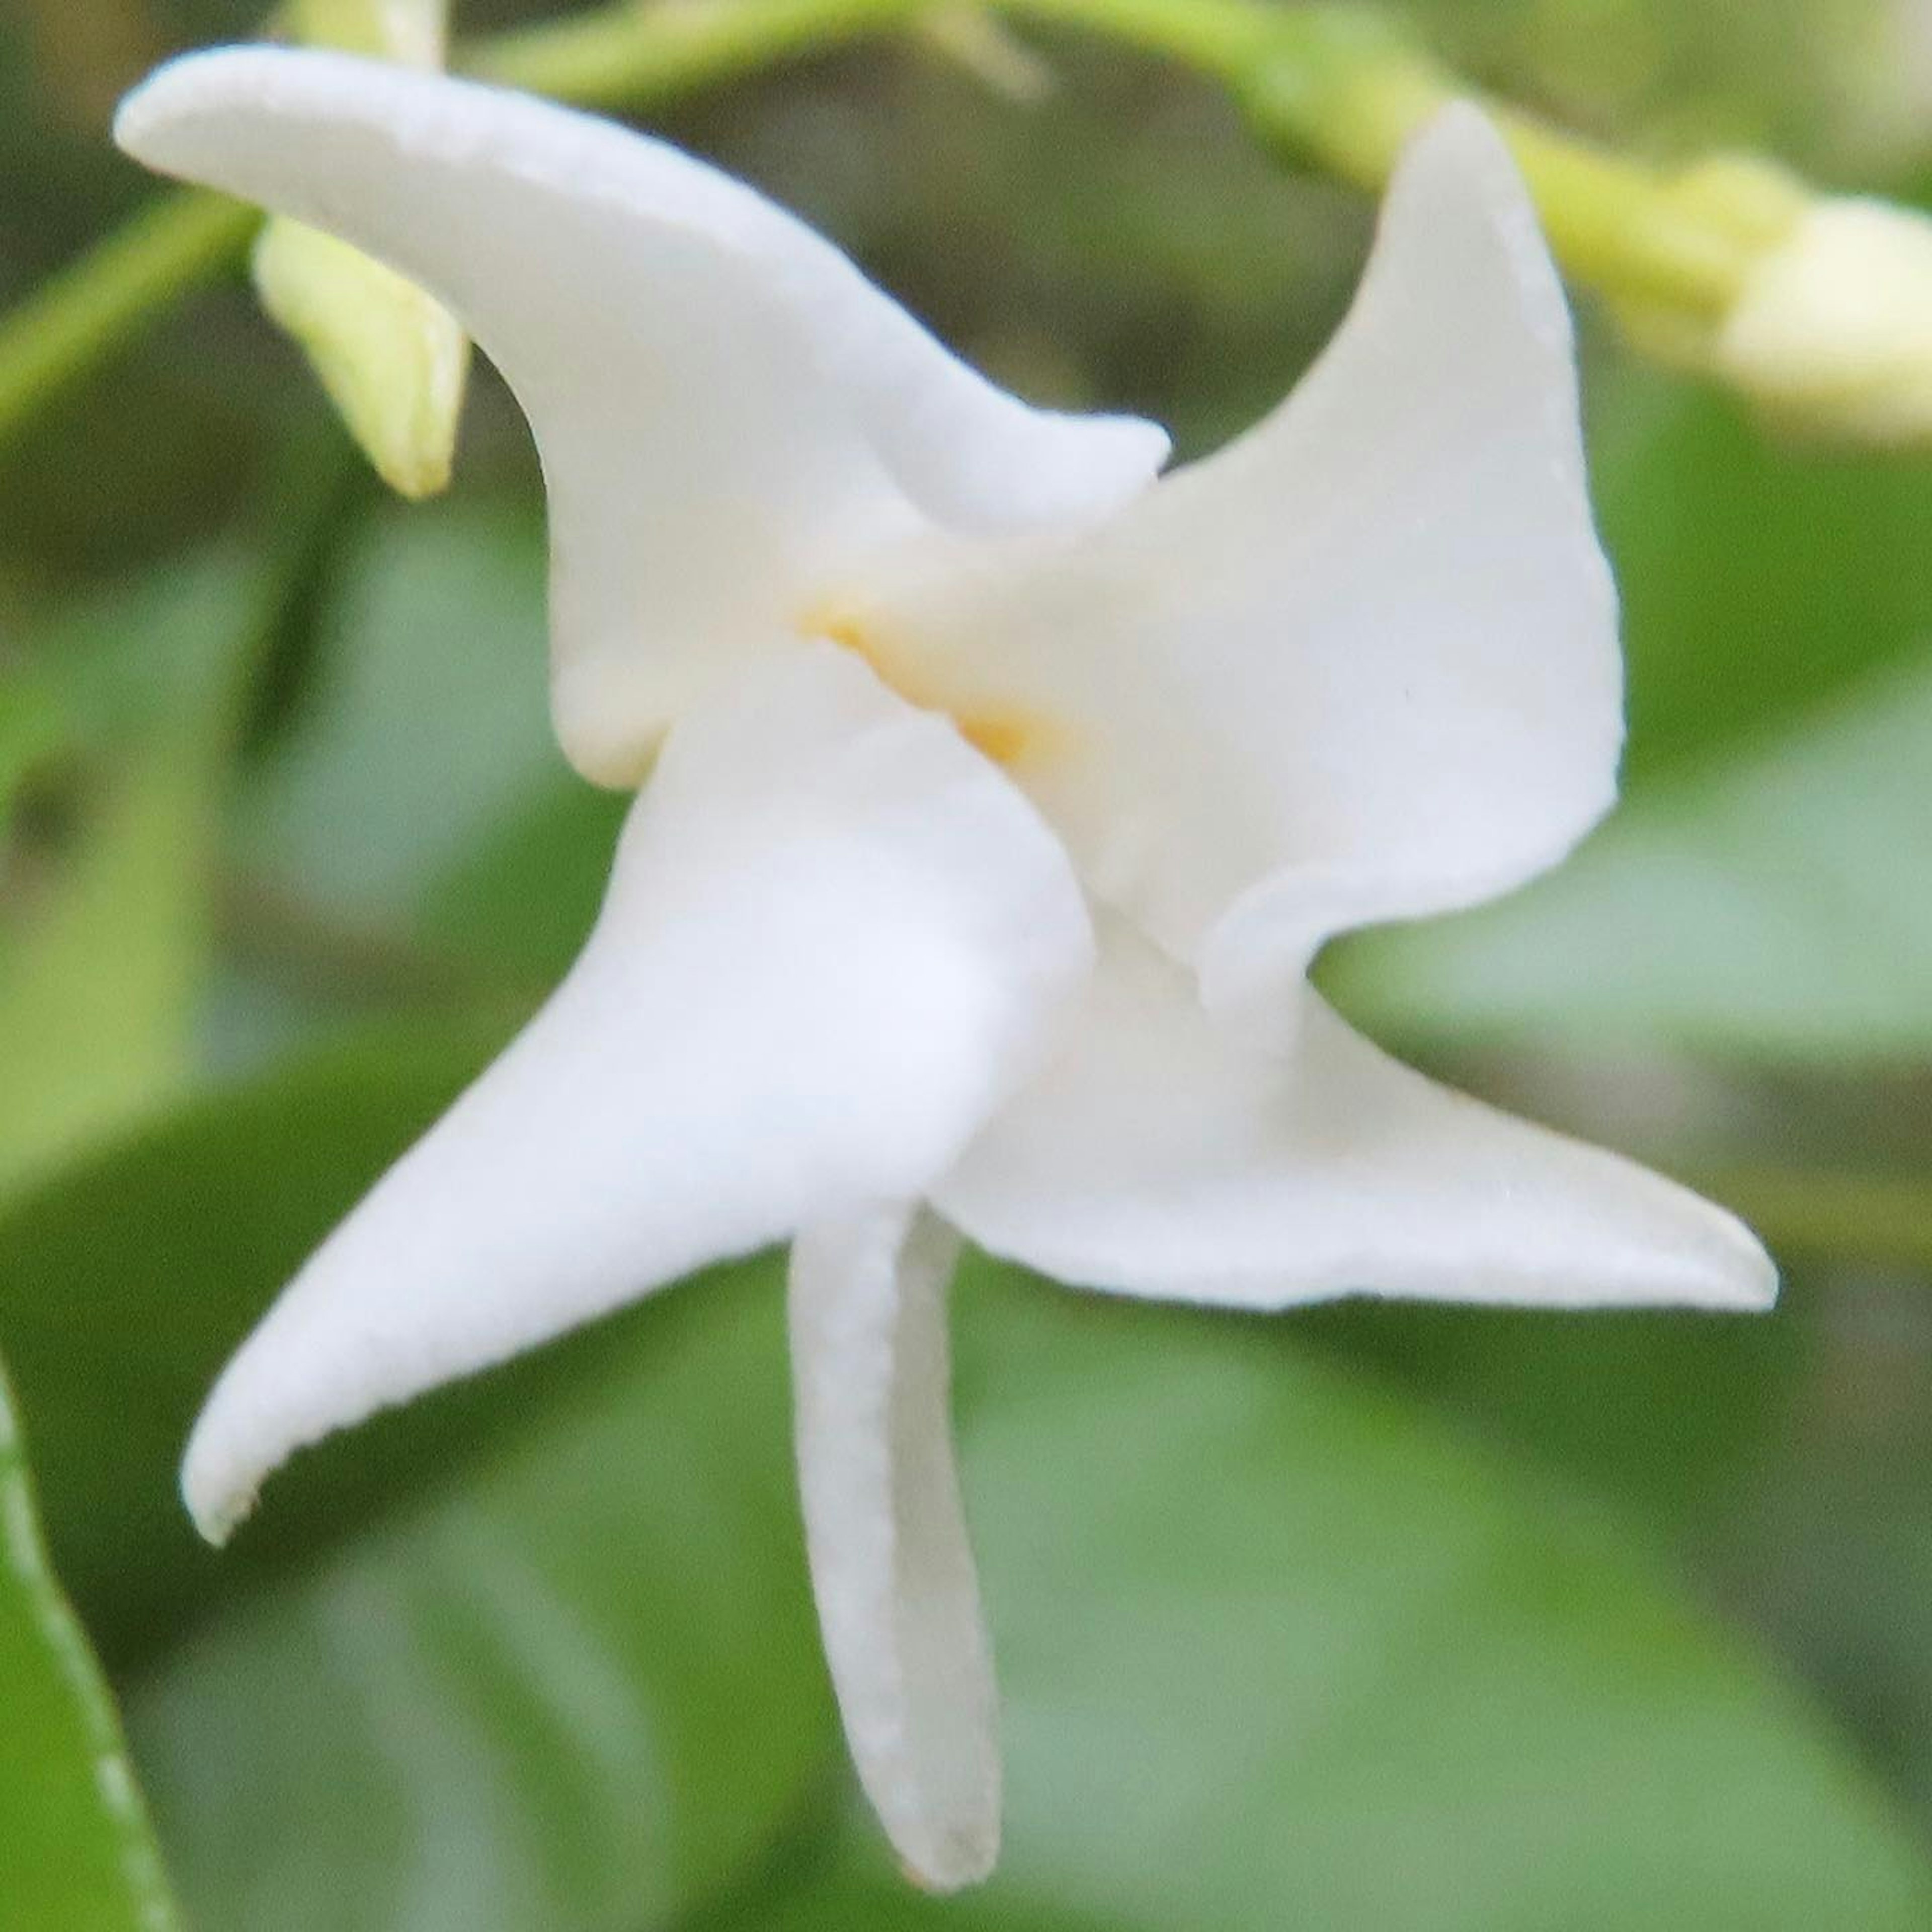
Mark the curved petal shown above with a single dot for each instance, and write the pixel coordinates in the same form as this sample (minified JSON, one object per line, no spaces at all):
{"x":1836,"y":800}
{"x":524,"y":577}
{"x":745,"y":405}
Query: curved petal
{"x":835,"y":939}
{"x":1361,"y":664}
{"x":1157,"y":1156}
{"x":731,"y":418}
{"x":897,"y":1595}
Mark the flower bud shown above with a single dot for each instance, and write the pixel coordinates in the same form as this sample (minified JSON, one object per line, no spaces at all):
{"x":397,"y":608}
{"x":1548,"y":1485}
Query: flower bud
{"x":1833,"y":327}
{"x":393,"y":360}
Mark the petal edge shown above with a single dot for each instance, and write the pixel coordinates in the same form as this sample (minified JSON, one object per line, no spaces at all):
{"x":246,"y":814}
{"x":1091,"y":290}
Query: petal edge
{"x":892,"y":1568}
{"x":835,"y":939}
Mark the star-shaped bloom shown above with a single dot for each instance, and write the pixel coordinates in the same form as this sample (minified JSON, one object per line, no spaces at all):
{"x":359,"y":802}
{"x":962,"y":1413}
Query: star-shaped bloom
{"x":997,"y":793}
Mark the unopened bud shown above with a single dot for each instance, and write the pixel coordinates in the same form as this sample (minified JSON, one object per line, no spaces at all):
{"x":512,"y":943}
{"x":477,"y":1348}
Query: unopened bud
{"x":1833,"y":327}
{"x":392,"y":358}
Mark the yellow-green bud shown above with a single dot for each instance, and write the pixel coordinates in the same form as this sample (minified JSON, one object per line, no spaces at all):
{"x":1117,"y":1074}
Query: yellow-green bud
{"x":393,"y":360}
{"x":1824,"y":318}
{"x":1833,"y":327}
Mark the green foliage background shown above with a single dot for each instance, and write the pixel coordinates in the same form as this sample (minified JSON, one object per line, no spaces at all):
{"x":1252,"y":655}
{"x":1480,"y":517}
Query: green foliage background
{"x":1371,"y":1620}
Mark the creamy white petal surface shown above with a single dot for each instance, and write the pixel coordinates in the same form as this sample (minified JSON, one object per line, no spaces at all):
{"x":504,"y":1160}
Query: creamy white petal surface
{"x":732,"y":419}
{"x":897,"y":1599}
{"x":834,"y":940}
{"x":1360,"y":664}
{"x":1160,"y":1156}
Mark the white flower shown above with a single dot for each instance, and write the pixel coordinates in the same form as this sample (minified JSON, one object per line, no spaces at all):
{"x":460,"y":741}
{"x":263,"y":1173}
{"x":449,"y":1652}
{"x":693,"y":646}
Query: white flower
{"x":1001,"y":796}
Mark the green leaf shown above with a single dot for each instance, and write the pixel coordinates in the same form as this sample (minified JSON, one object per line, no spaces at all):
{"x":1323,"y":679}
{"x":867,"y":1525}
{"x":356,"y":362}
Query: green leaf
{"x":103,"y":953}
{"x":76,"y":1848}
{"x":1277,"y":1650}
{"x":1301,"y":1658}
{"x":1778,"y":905}
{"x":537,"y":1650}
{"x":1829,"y":1534}
{"x":853,"y":1896}
{"x":1790,"y":1459}
{"x":1561,"y":1389}
{"x":420,"y":793}
{"x":34,"y":728}
{"x":1777,"y":615}
{"x":94,"y":1007}
{"x":1759,"y":581}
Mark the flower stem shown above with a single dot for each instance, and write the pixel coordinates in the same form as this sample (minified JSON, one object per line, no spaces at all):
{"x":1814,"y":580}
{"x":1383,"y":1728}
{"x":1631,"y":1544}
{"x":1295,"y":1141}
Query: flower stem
{"x":1337,"y":82}
{"x":1346,"y":86}
{"x":626,"y":54}
{"x":79,"y":317}
{"x":1879,"y":1219}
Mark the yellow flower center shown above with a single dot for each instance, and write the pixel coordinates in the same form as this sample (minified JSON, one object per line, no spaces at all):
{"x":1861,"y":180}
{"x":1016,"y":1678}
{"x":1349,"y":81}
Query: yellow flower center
{"x":1006,"y":733}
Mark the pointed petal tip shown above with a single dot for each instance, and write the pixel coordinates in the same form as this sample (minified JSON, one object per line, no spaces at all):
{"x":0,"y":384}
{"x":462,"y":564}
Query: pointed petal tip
{"x":1715,"y":1264}
{"x":1460,"y":141}
{"x":134,"y":115}
{"x":1105,"y":461}
{"x":167,"y":95}
{"x":257,"y":1415}
{"x":891,"y":1565}
{"x":197,"y":93}
{"x":1748,"y":1283}
{"x":217,"y":1507}
{"x":1461,"y":129}
{"x":955,"y":1865}
{"x":1460,"y":155}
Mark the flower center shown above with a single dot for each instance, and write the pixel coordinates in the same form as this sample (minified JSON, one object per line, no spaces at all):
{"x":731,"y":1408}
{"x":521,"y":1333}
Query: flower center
{"x":1006,"y":733}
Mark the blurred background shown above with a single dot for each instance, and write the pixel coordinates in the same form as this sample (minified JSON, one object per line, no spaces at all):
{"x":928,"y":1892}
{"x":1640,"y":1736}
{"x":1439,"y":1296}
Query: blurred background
{"x":1366,"y":1620}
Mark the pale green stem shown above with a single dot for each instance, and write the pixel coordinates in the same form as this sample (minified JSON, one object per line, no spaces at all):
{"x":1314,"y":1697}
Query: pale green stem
{"x":624,"y":53}
{"x":1336,"y":82}
{"x":1878,"y":1219}
{"x":1344,"y":86}
{"x":628,"y":54}
{"x":82,"y":313}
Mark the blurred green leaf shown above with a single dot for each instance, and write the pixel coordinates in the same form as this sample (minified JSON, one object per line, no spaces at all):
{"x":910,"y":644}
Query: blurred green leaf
{"x":1779,"y":904}
{"x":418,"y":791}
{"x":1759,"y":581}
{"x":854,"y":1897}
{"x":1277,"y":1650}
{"x":1764,"y":889}
{"x":537,"y":1651}
{"x":1829,"y":1537}
{"x":75,"y":1850}
{"x":1790,"y":1459}
{"x":102,"y":955}
{"x":1670,"y":1412}
{"x":94,"y":1008}
{"x":33,"y":727}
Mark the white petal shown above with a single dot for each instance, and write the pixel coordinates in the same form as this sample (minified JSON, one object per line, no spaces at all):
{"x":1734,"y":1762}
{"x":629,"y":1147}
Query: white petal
{"x":890,"y":1563}
{"x":731,"y":418}
{"x":1360,"y":664}
{"x":1157,"y":1157}
{"x":835,"y":939}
